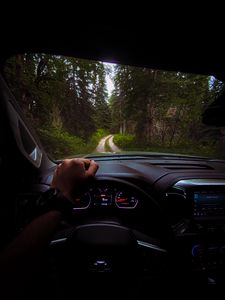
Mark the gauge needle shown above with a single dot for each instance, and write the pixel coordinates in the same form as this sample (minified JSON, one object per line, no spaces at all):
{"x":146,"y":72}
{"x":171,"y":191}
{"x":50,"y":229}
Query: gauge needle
{"x":121,"y":200}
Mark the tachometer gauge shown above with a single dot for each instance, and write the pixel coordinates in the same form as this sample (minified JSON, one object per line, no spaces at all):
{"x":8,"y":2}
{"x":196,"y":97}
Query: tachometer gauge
{"x":124,"y":200}
{"x":82,"y":201}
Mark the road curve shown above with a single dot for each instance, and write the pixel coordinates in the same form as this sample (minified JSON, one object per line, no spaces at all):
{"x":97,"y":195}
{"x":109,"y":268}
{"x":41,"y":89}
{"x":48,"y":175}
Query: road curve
{"x":102,"y":143}
{"x":113,"y":147}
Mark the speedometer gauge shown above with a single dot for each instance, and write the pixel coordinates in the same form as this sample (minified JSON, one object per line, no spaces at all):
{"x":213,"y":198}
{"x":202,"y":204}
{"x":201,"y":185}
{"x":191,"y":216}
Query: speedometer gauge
{"x":124,"y":200}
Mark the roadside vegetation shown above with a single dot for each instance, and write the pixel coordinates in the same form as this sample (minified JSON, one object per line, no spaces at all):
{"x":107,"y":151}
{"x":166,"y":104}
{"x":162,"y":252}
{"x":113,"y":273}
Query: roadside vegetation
{"x":60,"y":144}
{"x":129,"y":143}
{"x":64,"y":99}
{"x":160,"y":111}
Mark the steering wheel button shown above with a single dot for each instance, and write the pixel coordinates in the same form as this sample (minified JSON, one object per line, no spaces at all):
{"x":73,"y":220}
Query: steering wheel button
{"x":100,"y":265}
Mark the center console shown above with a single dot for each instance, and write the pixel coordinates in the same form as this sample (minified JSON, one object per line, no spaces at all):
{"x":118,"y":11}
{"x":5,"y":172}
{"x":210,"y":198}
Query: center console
{"x":208,"y":203}
{"x":203,"y":241}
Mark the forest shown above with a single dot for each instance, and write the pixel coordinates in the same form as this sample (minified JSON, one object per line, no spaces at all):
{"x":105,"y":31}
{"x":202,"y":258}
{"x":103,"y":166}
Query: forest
{"x":66,"y":100}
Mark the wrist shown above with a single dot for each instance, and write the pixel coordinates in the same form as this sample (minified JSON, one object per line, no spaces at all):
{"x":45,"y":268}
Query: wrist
{"x":55,"y":200}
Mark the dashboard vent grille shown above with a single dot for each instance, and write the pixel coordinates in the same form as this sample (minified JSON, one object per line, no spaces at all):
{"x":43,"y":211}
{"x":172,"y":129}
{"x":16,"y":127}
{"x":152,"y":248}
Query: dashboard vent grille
{"x":177,"y":204}
{"x":184,"y":166}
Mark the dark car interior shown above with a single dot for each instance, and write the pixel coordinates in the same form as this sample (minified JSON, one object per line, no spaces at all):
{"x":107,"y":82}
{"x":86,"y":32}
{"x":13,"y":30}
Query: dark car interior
{"x":172,"y":230}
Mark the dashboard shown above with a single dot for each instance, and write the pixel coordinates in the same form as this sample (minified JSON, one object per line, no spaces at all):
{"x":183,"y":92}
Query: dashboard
{"x":148,"y":193}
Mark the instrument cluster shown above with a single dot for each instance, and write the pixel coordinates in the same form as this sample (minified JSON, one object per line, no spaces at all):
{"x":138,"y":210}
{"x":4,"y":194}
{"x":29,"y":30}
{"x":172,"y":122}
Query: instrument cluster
{"x":105,"y":195}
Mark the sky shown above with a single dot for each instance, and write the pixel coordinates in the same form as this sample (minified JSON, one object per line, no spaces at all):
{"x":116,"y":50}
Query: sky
{"x":109,"y":85}
{"x":109,"y":81}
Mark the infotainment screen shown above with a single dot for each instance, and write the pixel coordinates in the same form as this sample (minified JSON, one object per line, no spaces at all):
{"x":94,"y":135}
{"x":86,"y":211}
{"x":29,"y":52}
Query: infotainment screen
{"x":209,"y":203}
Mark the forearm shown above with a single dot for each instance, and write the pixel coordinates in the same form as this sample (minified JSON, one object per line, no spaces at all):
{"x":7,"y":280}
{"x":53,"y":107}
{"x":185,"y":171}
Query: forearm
{"x":23,"y":258}
{"x":32,"y":240}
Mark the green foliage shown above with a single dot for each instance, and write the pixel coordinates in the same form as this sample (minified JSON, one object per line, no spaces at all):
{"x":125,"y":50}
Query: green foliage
{"x":100,"y":133}
{"x":60,"y":144}
{"x":125,"y":141}
{"x":196,"y":150}
{"x":128,"y":143}
{"x":94,"y":140}
{"x":75,"y":87}
{"x":162,"y":110}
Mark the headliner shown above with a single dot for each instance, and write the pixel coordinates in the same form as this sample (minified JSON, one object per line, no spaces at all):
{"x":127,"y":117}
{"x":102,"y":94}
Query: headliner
{"x":169,"y":51}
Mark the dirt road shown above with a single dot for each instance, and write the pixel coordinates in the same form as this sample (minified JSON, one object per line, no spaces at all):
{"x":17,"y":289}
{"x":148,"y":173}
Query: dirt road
{"x":102,"y":144}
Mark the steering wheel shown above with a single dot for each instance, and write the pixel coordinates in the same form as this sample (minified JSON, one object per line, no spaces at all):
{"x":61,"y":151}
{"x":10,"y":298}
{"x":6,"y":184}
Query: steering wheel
{"x":106,"y":247}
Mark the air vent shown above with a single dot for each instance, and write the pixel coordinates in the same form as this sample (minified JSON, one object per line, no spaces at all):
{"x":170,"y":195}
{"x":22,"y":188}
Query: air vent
{"x":177,"y":204}
{"x":178,"y":164}
{"x":184,"y":166}
{"x":174,"y":193}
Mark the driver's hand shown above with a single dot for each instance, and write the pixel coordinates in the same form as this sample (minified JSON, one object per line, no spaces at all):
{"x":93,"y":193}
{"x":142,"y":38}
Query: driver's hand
{"x":71,"y":174}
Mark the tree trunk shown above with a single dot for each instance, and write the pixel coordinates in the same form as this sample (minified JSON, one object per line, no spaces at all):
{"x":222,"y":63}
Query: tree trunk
{"x":149,"y":123}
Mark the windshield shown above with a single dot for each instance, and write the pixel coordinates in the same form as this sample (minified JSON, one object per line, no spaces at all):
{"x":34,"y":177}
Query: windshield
{"x":80,"y":107}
